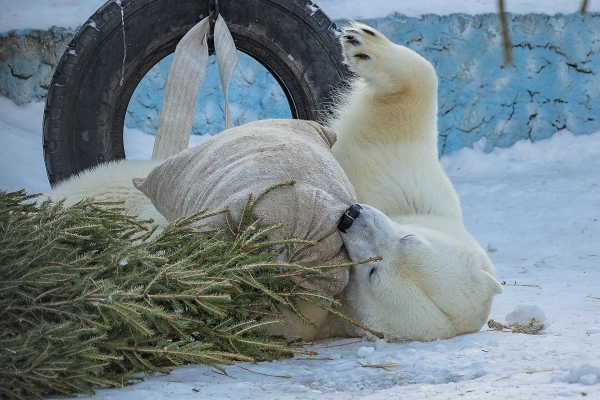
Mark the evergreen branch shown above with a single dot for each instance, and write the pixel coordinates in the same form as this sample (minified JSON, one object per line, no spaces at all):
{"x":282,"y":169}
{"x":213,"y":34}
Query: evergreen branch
{"x":257,"y":326}
{"x":345,"y":317}
{"x":90,"y":295}
{"x":292,"y":304}
{"x":133,"y":322}
{"x":269,"y":190}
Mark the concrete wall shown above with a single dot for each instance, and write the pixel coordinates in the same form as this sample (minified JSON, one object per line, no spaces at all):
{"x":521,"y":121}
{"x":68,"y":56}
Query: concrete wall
{"x":554,"y":83}
{"x":27,"y":62}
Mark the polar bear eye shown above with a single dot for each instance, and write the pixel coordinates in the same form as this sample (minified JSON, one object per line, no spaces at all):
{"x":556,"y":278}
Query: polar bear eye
{"x":373,"y":276}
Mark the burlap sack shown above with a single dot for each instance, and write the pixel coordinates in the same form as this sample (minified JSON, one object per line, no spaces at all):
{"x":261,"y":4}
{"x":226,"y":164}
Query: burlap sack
{"x":225,"y":169}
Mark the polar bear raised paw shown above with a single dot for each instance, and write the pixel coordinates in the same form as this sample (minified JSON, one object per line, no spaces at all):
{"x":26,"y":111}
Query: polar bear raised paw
{"x":386,"y":66}
{"x":359,"y":44}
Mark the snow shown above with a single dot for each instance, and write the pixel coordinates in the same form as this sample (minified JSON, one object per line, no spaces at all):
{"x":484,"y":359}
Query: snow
{"x":365,"y":351}
{"x":589,"y":379}
{"x":538,"y":202}
{"x":36,"y":14}
{"x":42,"y":14}
{"x":584,"y":373}
{"x":21,"y":146}
{"x":534,"y":206}
{"x":380,"y":344}
{"x":524,"y":313}
{"x":492,"y":246}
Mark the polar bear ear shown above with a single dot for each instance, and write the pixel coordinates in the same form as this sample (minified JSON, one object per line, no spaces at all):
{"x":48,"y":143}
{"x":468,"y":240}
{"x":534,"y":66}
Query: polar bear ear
{"x":410,"y":239}
{"x":484,"y":278}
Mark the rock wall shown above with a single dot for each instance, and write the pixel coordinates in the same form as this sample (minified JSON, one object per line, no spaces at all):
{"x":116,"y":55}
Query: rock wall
{"x":554,"y":83}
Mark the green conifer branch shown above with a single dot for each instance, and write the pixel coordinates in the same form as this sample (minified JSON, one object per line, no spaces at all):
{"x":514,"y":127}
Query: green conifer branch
{"x":91,"y":295}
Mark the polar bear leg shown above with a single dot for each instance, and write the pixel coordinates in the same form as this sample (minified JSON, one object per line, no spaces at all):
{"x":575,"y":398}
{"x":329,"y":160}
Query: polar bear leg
{"x":387,"y":126}
{"x":112,"y":182}
{"x":388,"y":68}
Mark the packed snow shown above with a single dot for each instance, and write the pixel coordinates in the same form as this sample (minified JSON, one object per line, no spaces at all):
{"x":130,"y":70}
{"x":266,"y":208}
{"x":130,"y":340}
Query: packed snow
{"x":524,"y":313}
{"x":36,"y":14}
{"x":538,"y":203}
{"x":535,"y":207}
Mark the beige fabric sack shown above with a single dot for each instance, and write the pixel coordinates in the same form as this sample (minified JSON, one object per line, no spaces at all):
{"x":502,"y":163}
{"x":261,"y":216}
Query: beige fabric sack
{"x":225,"y":169}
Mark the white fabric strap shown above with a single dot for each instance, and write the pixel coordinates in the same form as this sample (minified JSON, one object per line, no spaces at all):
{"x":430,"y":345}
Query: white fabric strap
{"x":227,"y":59}
{"x":183,"y":84}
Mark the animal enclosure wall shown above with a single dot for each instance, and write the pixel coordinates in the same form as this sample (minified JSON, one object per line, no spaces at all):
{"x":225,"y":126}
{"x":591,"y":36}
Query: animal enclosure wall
{"x":554,"y":83}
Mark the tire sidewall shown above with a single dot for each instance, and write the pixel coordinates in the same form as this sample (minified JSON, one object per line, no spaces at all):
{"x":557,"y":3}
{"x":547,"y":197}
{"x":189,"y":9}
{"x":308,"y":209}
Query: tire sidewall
{"x":96,"y":77}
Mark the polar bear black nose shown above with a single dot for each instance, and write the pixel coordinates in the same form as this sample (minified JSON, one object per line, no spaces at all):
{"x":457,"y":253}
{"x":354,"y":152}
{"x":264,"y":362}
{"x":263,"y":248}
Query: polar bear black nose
{"x":349,"y":216}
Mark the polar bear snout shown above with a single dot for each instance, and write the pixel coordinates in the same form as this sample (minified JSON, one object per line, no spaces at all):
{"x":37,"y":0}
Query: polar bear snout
{"x":348,"y":217}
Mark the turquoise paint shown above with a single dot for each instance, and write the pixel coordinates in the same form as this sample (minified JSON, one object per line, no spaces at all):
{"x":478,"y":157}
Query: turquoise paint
{"x":253,"y":94}
{"x":554,"y":83}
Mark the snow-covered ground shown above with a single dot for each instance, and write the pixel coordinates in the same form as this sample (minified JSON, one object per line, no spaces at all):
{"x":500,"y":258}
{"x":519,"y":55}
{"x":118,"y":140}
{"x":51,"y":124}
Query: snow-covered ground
{"x":36,"y":14}
{"x":538,"y":204}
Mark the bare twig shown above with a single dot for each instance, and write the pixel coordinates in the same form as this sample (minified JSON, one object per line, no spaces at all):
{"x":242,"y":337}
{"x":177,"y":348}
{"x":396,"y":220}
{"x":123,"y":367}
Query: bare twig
{"x":527,"y":372}
{"x":505,"y":36}
{"x":344,"y":344}
{"x":382,"y":366}
{"x":260,"y":373}
{"x":532,"y":328}
{"x":510,"y":284}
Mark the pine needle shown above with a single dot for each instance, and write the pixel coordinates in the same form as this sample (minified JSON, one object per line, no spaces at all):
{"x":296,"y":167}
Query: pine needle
{"x":382,"y":366}
{"x":90,"y":295}
{"x":260,"y":373}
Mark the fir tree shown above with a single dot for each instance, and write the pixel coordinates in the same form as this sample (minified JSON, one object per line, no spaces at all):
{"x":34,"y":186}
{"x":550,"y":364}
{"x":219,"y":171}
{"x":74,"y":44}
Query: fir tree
{"x":89,"y":295}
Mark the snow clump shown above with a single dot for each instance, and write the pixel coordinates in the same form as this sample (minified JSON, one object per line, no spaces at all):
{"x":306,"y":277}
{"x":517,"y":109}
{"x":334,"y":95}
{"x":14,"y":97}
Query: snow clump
{"x":582,"y":374}
{"x":365,"y":351}
{"x":524,"y":313}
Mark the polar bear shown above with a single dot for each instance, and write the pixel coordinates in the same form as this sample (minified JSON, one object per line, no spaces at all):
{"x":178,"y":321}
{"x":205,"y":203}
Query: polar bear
{"x":435,"y":280}
{"x":112,"y":182}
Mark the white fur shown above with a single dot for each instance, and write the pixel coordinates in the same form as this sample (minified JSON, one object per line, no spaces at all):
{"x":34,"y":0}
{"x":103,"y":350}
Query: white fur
{"x":113,"y":182}
{"x":109,"y":182}
{"x":434,"y":281}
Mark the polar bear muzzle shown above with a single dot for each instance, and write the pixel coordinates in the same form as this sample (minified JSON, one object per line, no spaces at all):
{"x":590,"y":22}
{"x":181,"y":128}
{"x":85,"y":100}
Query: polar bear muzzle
{"x":349,"y":216}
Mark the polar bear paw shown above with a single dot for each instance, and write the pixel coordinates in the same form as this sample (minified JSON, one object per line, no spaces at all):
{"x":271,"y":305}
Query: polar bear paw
{"x":359,"y":47}
{"x":385,"y":66}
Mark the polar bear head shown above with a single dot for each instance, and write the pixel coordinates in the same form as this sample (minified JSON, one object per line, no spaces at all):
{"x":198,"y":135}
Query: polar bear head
{"x":433,"y":281}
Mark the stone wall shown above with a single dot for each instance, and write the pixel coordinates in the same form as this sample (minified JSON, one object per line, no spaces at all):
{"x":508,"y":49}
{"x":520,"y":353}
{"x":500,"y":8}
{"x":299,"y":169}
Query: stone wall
{"x":554,"y":83}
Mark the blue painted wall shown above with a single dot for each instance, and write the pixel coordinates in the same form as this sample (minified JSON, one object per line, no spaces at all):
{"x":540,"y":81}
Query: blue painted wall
{"x":253,"y":94}
{"x":554,"y":83}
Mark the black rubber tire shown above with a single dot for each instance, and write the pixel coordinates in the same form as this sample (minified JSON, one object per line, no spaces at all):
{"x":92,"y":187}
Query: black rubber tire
{"x":89,"y":93}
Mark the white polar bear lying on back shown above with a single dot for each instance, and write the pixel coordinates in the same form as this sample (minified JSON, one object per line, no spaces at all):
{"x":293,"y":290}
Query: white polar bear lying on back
{"x":435,"y":280}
